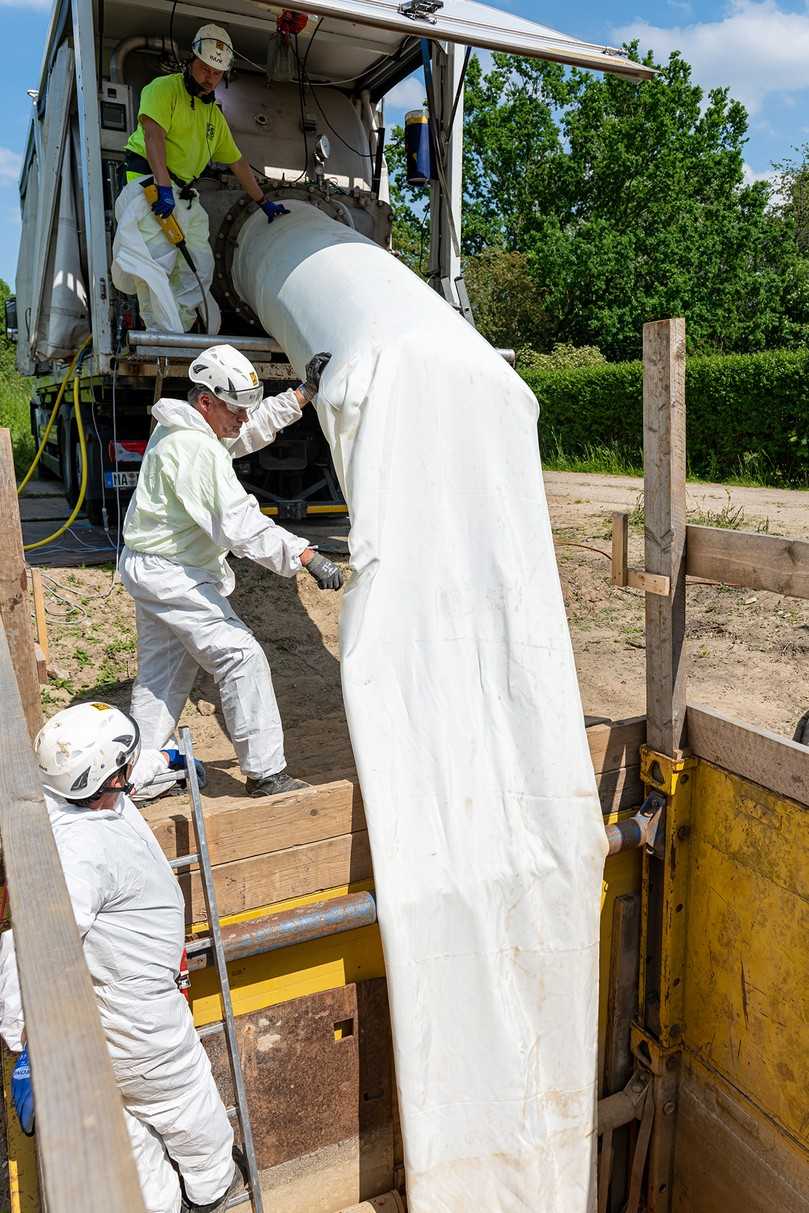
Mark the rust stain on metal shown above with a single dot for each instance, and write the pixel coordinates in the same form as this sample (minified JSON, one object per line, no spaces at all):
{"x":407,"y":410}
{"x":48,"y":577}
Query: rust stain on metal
{"x":318,"y":1072}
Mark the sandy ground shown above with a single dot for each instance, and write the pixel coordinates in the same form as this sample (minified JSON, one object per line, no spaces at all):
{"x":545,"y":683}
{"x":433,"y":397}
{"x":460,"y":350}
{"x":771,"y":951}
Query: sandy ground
{"x":748,"y":652}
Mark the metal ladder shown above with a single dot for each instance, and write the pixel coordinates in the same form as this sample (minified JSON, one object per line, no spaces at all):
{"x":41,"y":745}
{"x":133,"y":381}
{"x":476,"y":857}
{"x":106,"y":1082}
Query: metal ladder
{"x":202,"y":857}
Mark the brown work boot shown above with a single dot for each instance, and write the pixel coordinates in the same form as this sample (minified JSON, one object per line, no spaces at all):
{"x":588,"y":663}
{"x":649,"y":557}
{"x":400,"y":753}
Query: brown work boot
{"x":273,"y":785}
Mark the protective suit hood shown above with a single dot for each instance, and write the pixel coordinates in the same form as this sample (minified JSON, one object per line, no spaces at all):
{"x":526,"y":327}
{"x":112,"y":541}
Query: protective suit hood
{"x":180,"y":415}
{"x":67,"y":812}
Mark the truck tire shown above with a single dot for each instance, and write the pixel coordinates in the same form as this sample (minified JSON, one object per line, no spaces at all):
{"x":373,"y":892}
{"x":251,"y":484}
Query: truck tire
{"x":43,"y":472}
{"x":94,"y":497}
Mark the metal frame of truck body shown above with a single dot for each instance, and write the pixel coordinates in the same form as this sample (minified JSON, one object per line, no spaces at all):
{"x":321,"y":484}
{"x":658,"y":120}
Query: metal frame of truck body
{"x":704,"y":971}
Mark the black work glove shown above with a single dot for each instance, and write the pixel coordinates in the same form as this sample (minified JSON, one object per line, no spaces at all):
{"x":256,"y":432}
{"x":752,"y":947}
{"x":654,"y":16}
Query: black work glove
{"x":314,"y":369}
{"x":325,"y":572}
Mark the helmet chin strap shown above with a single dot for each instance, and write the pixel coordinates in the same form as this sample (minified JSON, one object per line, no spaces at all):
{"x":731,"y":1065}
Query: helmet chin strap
{"x":195,"y":89}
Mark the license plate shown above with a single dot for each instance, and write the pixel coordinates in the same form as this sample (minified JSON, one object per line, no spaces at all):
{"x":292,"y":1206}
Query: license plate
{"x":120,"y":480}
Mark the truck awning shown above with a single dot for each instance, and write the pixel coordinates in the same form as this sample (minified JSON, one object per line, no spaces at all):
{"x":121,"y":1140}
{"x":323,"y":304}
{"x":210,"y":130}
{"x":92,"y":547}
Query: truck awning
{"x":472,"y":24}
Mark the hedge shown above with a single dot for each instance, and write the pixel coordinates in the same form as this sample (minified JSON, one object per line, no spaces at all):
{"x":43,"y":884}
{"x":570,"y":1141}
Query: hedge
{"x":748,"y":414}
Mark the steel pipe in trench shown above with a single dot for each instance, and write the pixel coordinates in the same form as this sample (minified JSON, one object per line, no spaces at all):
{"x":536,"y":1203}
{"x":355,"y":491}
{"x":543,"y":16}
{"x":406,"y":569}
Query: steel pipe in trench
{"x":304,"y":924}
{"x":391,"y":1202}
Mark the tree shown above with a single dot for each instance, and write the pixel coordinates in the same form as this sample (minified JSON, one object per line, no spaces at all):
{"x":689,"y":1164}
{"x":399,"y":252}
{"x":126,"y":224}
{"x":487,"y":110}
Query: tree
{"x":507,"y":305}
{"x":629,"y":203}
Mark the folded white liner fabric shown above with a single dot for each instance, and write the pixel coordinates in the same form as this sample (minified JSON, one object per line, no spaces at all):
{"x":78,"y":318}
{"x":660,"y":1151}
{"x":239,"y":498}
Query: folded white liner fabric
{"x":462,"y":700}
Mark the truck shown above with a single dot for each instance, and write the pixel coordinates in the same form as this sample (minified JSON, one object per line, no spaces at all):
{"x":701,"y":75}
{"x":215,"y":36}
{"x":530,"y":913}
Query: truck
{"x":307,"y":110}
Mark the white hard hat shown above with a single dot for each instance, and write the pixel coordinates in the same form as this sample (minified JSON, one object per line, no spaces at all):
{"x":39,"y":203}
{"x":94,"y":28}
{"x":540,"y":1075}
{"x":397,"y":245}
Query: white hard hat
{"x":229,"y":375}
{"x":81,"y":747}
{"x":213,"y":46}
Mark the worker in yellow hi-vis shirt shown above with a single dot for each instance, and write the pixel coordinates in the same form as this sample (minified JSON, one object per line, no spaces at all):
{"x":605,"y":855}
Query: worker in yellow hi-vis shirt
{"x":180,"y":131}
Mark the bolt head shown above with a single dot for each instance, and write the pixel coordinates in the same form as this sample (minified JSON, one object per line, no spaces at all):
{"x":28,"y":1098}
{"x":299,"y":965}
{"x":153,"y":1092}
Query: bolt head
{"x":669,"y":1108}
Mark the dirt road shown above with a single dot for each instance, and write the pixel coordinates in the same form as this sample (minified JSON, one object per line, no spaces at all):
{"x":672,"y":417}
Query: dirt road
{"x":748,"y":652}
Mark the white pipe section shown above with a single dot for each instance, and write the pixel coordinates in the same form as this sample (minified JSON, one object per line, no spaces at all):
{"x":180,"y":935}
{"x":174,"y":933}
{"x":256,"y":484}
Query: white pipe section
{"x":462,"y":701}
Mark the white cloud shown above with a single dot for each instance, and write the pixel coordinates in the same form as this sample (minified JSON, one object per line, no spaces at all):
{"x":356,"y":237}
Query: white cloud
{"x":757,"y":48}
{"x":10,"y":164}
{"x":407,"y":95}
{"x":751,"y":175}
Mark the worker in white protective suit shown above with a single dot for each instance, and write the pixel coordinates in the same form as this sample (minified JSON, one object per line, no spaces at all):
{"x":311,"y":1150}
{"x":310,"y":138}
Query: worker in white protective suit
{"x":188,"y":511}
{"x":180,"y":131}
{"x":130,"y":915}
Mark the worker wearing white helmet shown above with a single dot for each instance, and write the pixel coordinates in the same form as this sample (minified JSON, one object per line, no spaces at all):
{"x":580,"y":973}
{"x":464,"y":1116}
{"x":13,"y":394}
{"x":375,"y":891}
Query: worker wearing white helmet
{"x":130,"y":914}
{"x":188,"y":511}
{"x":180,"y":131}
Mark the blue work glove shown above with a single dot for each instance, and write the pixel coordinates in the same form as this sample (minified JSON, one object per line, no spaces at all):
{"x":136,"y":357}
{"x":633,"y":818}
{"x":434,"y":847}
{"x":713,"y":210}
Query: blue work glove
{"x":22,"y":1093}
{"x":272,"y":209}
{"x":177,"y":763}
{"x":165,"y":202}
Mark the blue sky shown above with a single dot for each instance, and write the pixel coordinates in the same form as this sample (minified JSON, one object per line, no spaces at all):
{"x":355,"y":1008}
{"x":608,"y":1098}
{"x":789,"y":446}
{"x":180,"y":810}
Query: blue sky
{"x":760,"y":48}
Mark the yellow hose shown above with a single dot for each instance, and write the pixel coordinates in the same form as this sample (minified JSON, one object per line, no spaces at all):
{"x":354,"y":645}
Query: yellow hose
{"x":40,"y":543}
{"x":52,"y":418}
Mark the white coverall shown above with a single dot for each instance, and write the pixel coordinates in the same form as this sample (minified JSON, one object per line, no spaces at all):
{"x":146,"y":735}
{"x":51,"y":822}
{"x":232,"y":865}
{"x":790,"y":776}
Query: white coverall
{"x":188,"y":511}
{"x":146,"y":263}
{"x":129,"y":911}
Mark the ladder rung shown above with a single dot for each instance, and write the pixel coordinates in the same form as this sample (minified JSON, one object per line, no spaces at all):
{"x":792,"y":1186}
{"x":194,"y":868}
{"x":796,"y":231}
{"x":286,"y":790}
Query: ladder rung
{"x":184,"y":861}
{"x":239,"y":1198}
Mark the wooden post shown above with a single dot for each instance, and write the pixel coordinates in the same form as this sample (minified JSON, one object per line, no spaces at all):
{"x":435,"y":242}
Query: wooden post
{"x":14,"y":605}
{"x":85,"y":1156}
{"x":664,"y":493}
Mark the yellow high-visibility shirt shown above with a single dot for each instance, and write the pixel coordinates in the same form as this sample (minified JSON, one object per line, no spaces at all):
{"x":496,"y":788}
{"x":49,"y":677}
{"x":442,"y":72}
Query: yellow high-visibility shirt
{"x":196,"y":134}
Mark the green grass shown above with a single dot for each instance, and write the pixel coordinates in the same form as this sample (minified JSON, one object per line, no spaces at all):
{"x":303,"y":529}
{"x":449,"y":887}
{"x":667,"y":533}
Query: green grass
{"x":15,"y":395}
{"x":607,"y":459}
{"x":729,"y":518}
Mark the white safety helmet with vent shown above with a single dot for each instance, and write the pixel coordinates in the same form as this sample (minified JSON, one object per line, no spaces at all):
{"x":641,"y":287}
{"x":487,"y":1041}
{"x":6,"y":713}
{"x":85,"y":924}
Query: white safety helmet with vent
{"x":229,"y":376}
{"x":213,"y":46}
{"x":82,"y":747}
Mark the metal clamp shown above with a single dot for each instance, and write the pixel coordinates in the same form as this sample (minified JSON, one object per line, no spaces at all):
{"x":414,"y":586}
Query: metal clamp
{"x":421,"y":10}
{"x":662,"y":772}
{"x":645,"y":829}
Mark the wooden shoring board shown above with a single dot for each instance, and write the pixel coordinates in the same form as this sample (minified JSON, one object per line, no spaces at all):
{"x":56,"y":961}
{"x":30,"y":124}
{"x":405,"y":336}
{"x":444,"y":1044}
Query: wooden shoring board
{"x":765,"y":758}
{"x":757,"y":562}
{"x":85,"y":1156}
{"x":241,"y":828}
{"x":276,"y":876}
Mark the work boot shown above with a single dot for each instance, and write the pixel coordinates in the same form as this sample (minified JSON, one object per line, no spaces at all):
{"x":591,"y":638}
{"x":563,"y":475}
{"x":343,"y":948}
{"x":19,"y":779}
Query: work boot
{"x":272,"y":785}
{"x":221,"y":1203}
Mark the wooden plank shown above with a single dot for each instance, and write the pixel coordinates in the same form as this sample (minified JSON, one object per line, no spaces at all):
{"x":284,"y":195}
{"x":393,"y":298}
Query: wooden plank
{"x":777,"y":763}
{"x":616,"y":744}
{"x":758,"y":562}
{"x":620,"y":547}
{"x":240,"y":827}
{"x":247,"y":884}
{"x":42,"y":663}
{"x":650,"y":583}
{"x":620,"y":789}
{"x":84,"y":1147}
{"x":40,"y":616}
{"x":664,"y":497}
{"x":14,"y":608}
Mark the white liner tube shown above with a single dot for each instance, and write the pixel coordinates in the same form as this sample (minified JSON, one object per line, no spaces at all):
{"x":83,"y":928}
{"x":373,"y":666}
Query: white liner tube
{"x":461,"y":695}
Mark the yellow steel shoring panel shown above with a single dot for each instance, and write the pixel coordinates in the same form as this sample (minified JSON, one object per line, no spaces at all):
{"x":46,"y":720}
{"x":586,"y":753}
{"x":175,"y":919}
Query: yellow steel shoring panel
{"x":747,"y":970}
